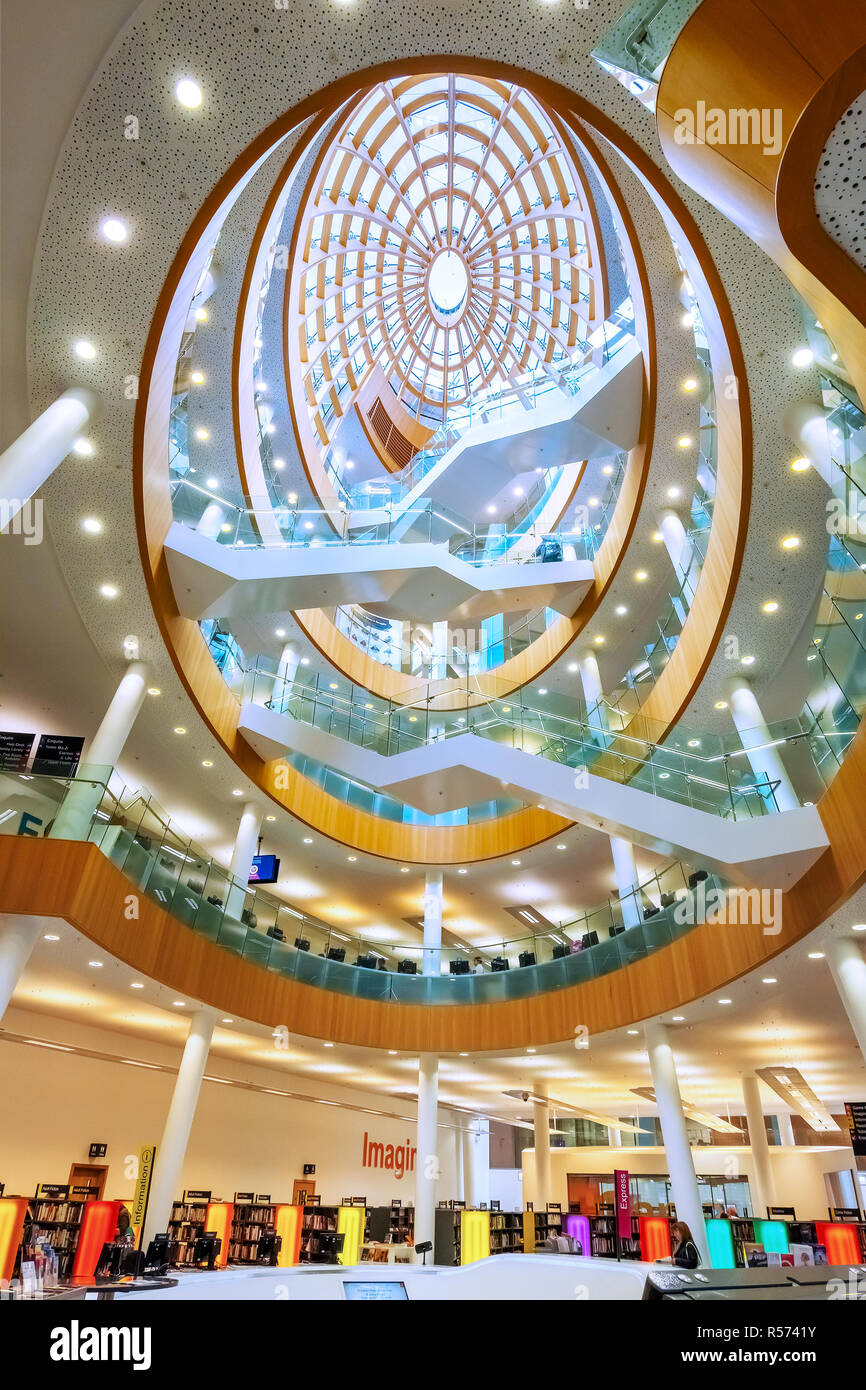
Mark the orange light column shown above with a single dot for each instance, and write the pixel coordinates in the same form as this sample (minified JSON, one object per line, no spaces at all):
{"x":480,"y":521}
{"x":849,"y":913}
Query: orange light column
{"x":219,"y":1217}
{"x":12,"y":1213}
{"x":98,"y":1225}
{"x":655,"y":1238}
{"x":842,"y":1241}
{"x":288,"y":1226}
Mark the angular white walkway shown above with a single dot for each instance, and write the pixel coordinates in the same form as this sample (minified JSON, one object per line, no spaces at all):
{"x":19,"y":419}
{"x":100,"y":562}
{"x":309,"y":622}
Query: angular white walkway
{"x":415,"y":580}
{"x":770,"y":851}
{"x":601,"y":418}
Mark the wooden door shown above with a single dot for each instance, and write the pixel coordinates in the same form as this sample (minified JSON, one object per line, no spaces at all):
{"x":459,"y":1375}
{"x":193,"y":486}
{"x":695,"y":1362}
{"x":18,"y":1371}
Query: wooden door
{"x":302,"y":1188}
{"x":89,"y":1175}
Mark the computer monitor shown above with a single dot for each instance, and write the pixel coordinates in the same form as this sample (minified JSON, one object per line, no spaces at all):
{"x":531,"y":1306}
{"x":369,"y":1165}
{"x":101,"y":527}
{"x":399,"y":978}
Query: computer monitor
{"x":499,"y":963}
{"x":265,"y":869}
{"x":336,"y":953}
{"x":206,"y":1248}
{"x":158,"y":1257}
{"x":375,"y":1290}
{"x":407,"y":967}
{"x":366,"y":962}
{"x":459,"y":967}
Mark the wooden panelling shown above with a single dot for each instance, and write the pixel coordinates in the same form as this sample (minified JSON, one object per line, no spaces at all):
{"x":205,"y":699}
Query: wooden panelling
{"x":75,"y":882}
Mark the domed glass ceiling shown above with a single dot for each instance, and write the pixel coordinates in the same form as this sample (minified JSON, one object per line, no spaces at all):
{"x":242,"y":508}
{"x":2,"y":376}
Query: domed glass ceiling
{"x":448,"y":241}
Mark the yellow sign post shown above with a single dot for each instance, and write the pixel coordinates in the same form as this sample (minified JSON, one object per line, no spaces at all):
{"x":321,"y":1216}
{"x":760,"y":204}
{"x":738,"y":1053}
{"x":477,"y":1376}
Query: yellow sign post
{"x":146,"y":1156}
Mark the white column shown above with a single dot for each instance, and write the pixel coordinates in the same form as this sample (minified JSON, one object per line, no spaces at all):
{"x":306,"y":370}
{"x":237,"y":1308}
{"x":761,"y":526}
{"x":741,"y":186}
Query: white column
{"x":427,"y":1159}
{"x":432,"y":964}
{"x":74,"y":818}
{"x":246,"y":846}
{"x":593,"y":695}
{"x":755,"y":736}
{"x":786,"y":1130}
{"x":848,"y":968}
{"x":276,"y":691}
{"x":541,"y":1118}
{"x":459,"y":1182}
{"x":481,"y":1161}
{"x":625,"y":869}
{"x":211,"y":520}
{"x":762,"y":1186}
{"x":681,"y":552}
{"x":469,"y":1179}
{"x":614,"y":1137}
{"x":18,"y":936}
{"x":35,"y":454}
{"x":171,"y":1149}
{"x":673,"y":1122}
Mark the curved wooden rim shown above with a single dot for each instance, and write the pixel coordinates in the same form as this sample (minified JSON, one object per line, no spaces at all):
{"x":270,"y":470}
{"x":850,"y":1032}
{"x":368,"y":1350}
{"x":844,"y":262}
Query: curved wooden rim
{"x":219,"y":709}
{"x":74,"y":881}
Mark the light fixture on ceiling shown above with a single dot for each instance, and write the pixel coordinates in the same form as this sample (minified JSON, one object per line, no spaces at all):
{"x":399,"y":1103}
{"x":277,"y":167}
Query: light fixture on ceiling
{"x":50,"y":937}
{"x":113,"y":229}
{"x":197,"y":377}
{"x":201,"y":314}
{"x":203,"y":434}
{"x":279,"y":632}
{"x":673,"y":493}
{"x":84,"y":349}
{"x":188,"y":93}
{"x":747,"y":661}
{"x":685,"y":441}
{"x":154,"y":690}
{"x":690,"y":384}
{"x":790,"y":542}
{"x":803,"y":357}
{"x":206,"y":762}
{"x":236,"y":791}
{"x":620,"y":610}
{"x":95,"y":964}
{"x":179,"y":729}
{"x":92,"y":525}
{"x":816,"y":955}
{"x":859,"y":926}
{"x":641,"y":575}
{"x":792,"y":1087}
{"x":83,"y":448}
{"x":801,"y":465}
{"x":108,"y":591}
{"x":721,"y":704}
{"x":725,"y":1001}
{"x":771,"y":606}
{"x":769,"y":980}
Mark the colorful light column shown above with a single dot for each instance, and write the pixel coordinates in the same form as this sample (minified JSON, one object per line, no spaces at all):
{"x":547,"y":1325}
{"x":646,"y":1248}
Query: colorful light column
{"x":577,"y":1227}
{"x":474,"y":1236}
{"x":720,"y":1237}
{"x":12,"y":1213}
{"x":842,"y":1241}
{"x":351,"y":1221}
{"x":655,"y":1238}
{"x":98,"y":1225}
{"x":773,"y":1235}
{"x":219,"y":1217}
{"x":287,"y":1225}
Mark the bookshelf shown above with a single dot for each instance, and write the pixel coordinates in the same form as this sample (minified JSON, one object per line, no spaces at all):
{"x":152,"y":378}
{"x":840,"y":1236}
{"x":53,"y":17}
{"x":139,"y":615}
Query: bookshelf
{"x":187,"y":1223}
{"x":401,"y":1225}
{"x":249,"y":1224}
{"x":506,"y":1232}
{"x":538,"y":1226}
{"x":59,"y":1223}
{"x":602,"y":1234}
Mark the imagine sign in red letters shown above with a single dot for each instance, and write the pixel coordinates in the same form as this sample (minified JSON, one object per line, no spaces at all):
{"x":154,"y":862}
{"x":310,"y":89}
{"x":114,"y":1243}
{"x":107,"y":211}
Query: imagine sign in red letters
{"x":399,"y":1159}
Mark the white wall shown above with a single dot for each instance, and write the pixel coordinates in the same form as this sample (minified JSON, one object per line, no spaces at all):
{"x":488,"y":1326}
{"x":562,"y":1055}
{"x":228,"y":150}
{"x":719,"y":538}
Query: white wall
{"x":799,"y":1173}
{"x":54,"y":1104}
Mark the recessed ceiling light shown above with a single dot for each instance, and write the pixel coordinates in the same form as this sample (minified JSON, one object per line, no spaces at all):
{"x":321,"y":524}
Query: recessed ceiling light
{"x":790,"y":542}
{"x":154,"y":690}
{"x":463,"y":871}
{"x":308,"y":839}
{"x":694,"y":743}
{"x":657,"y":537}
{"x":515,"y":863}
{"x":353,"y":858}
{"x":92,"y":525}
{"x":329,"y":1044}
{"x":212,"y":483}
{"x":305,"y":661}
{"x":721,"y":704}
{"x":236,"y":791}
{"x":188,"y":93}
{"x":599,"y":640}
{"x":664,"y":776}
{"x":678,"y":1018}
{"x":673,"y":493}
{"x":95,"y":964}
{"x":816,"y":955}
{"x":859,"y":926}
{"x":279,"y":632}
{"x":201,"y":314}
{"x":463,"y":1054}
{"x":562,"y":846}
{"x":178,"y":1004}
{"x":771,"y":606}
{"x":108,"y":591}
{"x":279,"y":464}
{"x":688,"y":320}
{"x":572,"y":667}
{"x":607,"y":470}
{"x":206,"y":762}
{"x":690,"y":384}
{"x":179,"y":729}
{"x":542,"y":690}
{"x":83,"y":448}
{"x":803,"y":357}
{"x":404,"y":871}
{"x":633,"y":1032}
{"x":769,"y":980}
{"x":641,"y":575}
{"x":747,"y":661}
{"x":530,"y":1049}
{"x":725,"y":1001}
{"x":50,"y":937}
{"x":113,"y":229}
{"x":84,"y":349}
{"x":202,"y":433}
{"x":593,"y":501}
{"x":620,"y":610}
{"x":491,"y":510}
{"x":197,"y":378}
{"x":391,"y":1052}
{"x":226,"y":1020}
{"x":270,"y":817}
{"x":801,"y":465}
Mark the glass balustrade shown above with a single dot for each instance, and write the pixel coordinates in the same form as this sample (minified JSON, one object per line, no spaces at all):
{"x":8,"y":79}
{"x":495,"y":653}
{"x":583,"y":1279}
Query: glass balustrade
{"x":160,"y":861}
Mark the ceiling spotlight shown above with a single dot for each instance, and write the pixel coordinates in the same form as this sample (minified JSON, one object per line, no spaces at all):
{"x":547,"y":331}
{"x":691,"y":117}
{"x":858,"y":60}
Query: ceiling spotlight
{"x":92,"y":525}
{"x":108,"y":591}
{"x":800,"y":465}
{"x":95,"y":964}
{"x":599,"y":640}
{"x":673,"y":493}
{"x":816,"y":955}
{"x":50,"y":937}
{"x":279,"y":463}
{"x":685,"y":441}
{"x":279,"y":632}
{"x":206,"y":762}
{"x":179,"y":729}
{"x":270,"y":817}
{"x":201,"y":314}
{"x":113,"y":229}
{"x":633,"y":1032}
{"x":562,"y":846}
{"x":620,"y":610}
{"x":83,"y":349}
{"x":771,"y":606}
{"x":353,"y":858}
{"x":790,"y":542}
{"x":83,"y":448}
{"x":803,"y":357}
{"x":542,"y":690}
{"x":237,"y":791}
{"x":725,"y":1001}
{"x":572,"y":667}
{"x":515,"y":863}
{"x":694,"y":743}
{"x":466,"y":871}
{"x":607,"y":470}
{"x":688,"y":320}
{"x":136,"y":985}
{"x":197,"y":378}
{"x":202,"y":434}
{"x":859,"y":926}
{"x":721,"y":704}
{"x":188,"y":93}
{"x":657,"y":537}
{"x":641,"y":575}
{"x":690,"y":383}
{"x":747,"y":661}
{"x":308,"y":839}
{"x":769,"y":980}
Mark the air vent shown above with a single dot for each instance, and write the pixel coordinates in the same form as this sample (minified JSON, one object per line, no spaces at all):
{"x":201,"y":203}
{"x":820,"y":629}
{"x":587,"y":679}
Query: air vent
{"x":401,"y":450}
